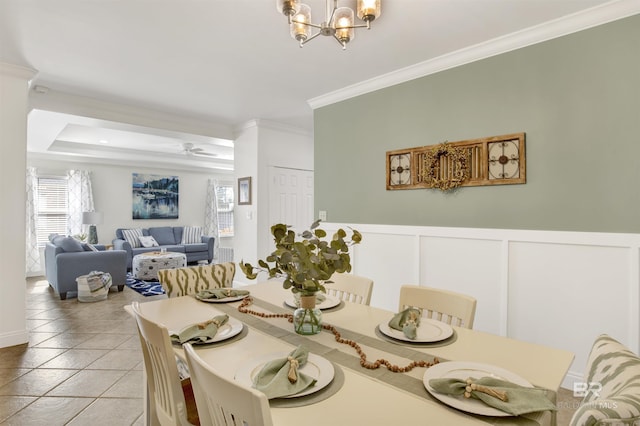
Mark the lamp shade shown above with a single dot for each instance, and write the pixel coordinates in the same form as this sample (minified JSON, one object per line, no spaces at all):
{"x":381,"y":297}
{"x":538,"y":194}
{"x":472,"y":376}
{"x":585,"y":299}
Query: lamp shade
{"x":91,"y":218}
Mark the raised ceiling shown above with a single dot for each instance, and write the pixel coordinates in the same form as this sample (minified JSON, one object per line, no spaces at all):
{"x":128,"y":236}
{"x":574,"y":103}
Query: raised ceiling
{"x":196,"y":71}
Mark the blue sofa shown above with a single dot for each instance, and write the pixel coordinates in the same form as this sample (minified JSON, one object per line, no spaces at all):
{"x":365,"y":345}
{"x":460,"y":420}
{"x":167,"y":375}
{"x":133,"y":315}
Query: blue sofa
{"x":170,"y":238}
{"x":66,"y":259}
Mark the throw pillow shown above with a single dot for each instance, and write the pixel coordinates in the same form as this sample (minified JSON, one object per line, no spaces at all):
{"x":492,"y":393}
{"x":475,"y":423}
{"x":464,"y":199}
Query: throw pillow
{"x":89,"y":247}
{"x":132,"y":236}
{"x":148,"y":241}
{"x":70,"y":244}
{"x":56,"y":239}
{"x":191,"y":235}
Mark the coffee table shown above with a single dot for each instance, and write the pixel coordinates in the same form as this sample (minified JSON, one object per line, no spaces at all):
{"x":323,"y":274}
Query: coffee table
{"x":145,"y":266}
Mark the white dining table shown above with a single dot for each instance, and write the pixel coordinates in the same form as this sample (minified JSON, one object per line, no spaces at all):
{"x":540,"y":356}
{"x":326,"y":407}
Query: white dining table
{"x":363,"y":396}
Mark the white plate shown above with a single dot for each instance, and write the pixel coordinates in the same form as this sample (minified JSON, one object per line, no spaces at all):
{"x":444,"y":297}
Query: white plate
{"x":463,"y":370}
{"x":230,"y":329}
{"x":225,"y":300}
{"x":316,"y":366}
{"x":328,"y":303}
{"x":430,"y":330}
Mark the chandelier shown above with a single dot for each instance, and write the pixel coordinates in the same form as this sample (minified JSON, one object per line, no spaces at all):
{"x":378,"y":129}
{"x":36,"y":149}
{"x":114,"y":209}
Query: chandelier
{"x":338,"y":23}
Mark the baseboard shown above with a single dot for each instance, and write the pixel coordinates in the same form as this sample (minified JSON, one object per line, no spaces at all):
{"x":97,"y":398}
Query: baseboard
{"x":14,"y":338}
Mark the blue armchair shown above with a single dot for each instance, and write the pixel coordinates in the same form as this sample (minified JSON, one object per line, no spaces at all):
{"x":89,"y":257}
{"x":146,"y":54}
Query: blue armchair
{"x":66,"y":259}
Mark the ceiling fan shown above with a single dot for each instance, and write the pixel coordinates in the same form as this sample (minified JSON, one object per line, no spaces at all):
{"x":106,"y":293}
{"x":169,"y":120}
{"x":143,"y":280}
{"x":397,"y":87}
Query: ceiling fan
{"x":190,"y":149}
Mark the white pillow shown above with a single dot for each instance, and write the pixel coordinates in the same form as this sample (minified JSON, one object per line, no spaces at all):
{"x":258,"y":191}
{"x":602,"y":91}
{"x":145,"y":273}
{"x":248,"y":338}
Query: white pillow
{"x":148,"y":241}
{"x":191,"y":235}
{"x":132,"y":236}
{"x":89,"y":247}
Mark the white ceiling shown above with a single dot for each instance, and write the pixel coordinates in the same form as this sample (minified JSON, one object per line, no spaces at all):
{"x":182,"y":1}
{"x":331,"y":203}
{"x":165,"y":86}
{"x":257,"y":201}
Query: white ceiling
{"x":218,"y":64}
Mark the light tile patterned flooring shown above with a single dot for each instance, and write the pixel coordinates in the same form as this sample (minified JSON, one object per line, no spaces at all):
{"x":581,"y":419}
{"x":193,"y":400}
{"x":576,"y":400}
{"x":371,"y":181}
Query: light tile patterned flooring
{"x":83,"y":365}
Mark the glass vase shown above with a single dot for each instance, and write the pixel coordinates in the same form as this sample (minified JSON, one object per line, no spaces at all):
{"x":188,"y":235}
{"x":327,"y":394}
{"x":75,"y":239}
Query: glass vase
{"x":307,"y":319}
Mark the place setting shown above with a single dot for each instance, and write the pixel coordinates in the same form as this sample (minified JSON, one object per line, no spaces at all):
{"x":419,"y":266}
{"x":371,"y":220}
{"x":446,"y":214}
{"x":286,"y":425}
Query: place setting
{"x":410,"y":328}
{"x":221,"y":295}
{"x":484,"y":389}
{"x":291,"y":378}
{"x":220,"y":328}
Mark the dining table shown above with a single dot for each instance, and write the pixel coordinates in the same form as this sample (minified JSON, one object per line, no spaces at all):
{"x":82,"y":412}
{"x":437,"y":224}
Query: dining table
{"x":381,"y":392}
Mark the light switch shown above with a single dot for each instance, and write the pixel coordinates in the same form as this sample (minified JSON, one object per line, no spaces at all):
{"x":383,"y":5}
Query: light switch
{"x":322,"y":215}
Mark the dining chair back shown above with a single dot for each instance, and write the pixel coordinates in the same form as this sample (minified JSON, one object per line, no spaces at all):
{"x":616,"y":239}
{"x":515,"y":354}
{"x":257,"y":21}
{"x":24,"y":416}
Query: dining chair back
{"x":166,"y":393}
{"x":442,"y":305}
{"x":224,"y":402}
{"x":192,"y":279}
{"x":350,"y":288}
{"x":612,"y":394}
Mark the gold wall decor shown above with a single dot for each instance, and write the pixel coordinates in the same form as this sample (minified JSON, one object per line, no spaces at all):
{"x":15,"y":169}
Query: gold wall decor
{"x":496,"y":160}
{"x":446,"y":167}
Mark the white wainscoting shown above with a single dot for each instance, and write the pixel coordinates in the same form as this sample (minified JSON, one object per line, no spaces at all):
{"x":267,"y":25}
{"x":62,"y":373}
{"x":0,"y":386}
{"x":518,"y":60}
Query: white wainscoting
{"x":560,"y":289}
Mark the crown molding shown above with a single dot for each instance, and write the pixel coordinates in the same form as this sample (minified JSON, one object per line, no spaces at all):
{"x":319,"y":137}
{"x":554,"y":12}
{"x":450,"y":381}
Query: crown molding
{"x":17,"y":71}
{"x":272,"y":125}
{"x":608,"y":12}
{"x":139,"y":162}
{"x":62,"y":102}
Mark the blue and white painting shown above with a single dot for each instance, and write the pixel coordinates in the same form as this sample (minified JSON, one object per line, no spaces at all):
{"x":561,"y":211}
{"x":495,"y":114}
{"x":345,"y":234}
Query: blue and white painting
{"x":155,"y":196}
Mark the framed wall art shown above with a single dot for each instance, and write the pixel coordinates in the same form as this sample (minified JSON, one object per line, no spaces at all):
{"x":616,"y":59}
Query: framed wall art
{"x":154,"y":196}
{"x":495,"y":160}
{"x":244,"y":191}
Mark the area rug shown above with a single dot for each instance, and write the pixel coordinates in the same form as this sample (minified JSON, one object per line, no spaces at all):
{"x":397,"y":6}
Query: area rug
{"x":145,"y":288}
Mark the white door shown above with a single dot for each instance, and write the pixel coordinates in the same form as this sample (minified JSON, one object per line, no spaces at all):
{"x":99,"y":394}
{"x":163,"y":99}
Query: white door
{"x":291,"y":197}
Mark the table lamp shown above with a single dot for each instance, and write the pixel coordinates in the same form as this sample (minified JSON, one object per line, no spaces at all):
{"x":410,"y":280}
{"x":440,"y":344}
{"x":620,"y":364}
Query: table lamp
{"x":92,"y":219}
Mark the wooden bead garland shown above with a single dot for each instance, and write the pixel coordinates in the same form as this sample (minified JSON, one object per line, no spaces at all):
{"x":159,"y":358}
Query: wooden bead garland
{"x":363,"y":357}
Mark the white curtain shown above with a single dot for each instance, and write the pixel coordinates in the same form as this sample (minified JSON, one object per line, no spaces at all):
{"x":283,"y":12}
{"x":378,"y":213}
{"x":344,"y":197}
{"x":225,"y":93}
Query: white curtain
{"x":80,"y":199}
{"x":211,"y":215}
{"x":33,"y":252}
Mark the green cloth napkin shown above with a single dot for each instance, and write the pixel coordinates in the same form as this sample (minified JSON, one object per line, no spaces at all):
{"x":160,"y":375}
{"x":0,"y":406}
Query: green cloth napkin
{"x":200,"y":333}
{"x":520,"y":400}
{"x":273,"y":379}
{"x":407,"y":321}
{"x":221,"y":293}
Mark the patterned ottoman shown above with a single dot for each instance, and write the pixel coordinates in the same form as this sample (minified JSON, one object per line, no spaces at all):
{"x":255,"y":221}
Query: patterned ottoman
{"x":145,"y":266}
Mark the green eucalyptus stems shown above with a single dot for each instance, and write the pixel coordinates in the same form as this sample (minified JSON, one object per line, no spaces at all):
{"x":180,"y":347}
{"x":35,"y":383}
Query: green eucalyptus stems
{"x":306,"y":263}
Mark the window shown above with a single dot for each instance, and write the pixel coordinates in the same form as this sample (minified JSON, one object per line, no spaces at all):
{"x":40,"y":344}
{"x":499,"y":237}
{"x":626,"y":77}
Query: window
{"x":52,"y":207}
{"x":225,"y":209}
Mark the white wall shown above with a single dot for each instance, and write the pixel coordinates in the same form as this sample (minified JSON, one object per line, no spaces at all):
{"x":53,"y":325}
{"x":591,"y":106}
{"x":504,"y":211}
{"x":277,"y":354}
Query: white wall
{"x":259,"y":145}
{"x":14,"y":86}
{"x":112,"y":195}
{"x":244,"y":217}
{"x":559,"y":289}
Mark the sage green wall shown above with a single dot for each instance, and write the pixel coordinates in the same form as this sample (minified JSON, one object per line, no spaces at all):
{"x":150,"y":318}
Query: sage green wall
{"x":577,"y":98}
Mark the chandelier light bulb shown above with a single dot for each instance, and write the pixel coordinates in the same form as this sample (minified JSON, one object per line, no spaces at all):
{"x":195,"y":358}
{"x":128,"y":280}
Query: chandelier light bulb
{"x":343,"y":19}
{"x":300,"y":29}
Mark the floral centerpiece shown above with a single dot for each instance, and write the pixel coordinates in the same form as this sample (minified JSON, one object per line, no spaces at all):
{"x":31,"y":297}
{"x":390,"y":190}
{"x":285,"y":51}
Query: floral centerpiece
{"x":306,"y":264}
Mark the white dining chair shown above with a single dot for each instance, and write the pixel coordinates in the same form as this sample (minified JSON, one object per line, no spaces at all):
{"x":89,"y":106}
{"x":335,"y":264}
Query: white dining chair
{"x":442,"y":305}
{"x":224,"y":402}
{"x":170,"y":400}
{"x":350,"y":288}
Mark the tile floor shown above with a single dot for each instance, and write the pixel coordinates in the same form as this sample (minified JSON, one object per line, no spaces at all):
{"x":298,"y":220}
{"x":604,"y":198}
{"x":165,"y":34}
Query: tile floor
{"x":83,"y":365}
